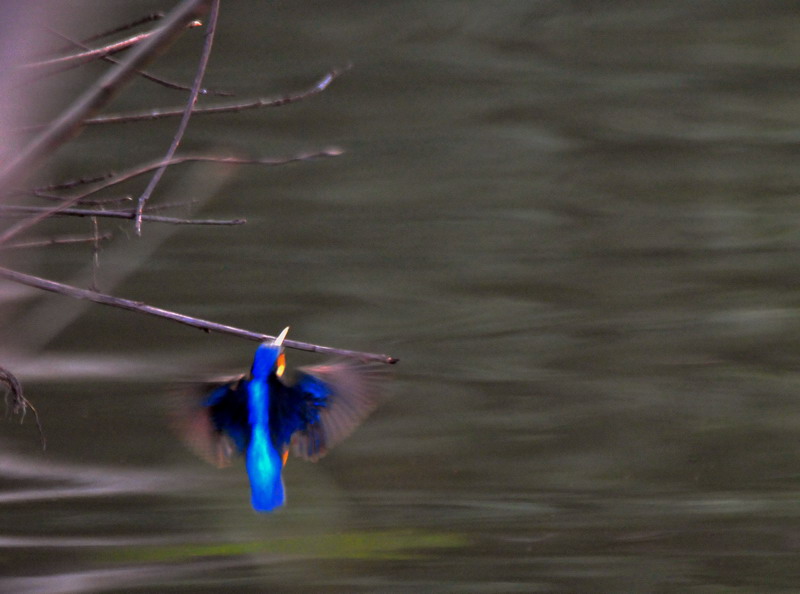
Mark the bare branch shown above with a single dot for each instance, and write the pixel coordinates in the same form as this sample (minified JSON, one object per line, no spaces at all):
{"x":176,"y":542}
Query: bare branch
{"x":198,"y":80}
{"x":119,"y":214}
{"x":95,"y":252}
{"x":19,"y":404}
{"x":68,"y":185}
{"x":68,"y":124}
{"x":151,"y":77}
{"x":269,"y":161}
{"x":68,"y":201}
{"x":138,"y":306}
{"x":75,"y":60}
{"x":84,"y":202}
{"x":57,"y":241}
{"x":169,"y":112}
{"x":155,"y":16}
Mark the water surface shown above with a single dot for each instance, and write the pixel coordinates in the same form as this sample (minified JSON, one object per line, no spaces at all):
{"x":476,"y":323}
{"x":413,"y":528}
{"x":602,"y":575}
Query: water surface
{"x":577,"y":227}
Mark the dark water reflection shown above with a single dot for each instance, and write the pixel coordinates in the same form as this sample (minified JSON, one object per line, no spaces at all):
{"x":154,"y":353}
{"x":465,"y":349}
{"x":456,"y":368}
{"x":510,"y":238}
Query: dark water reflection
{"x":575,"y":224}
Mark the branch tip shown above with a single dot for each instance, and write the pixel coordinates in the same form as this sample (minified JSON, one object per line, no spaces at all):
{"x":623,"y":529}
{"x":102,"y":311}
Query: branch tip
{"x":19,"y":405}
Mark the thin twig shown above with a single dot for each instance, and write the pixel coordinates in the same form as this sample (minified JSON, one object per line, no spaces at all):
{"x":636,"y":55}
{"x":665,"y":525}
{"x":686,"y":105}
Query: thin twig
{"x":269,"y":161}
{"x":155,"y":16}
{"x":169,"y":112}
{"x":144,"y":74}
{"x":19,"y":404}
{"x":83,"y":202}
{"x":170,"y":205}
{"x":115,"y":179}
{"x":124,"y":176}
{"x":69,"y":184}
{"x":69,"y":122}
{"x":208,"y":41}
{"x":138,"y":306}
{"x":75,"y":60}
{"x":56,"y":241}
{"x":119,"y":214}
{"x":95,"y":252}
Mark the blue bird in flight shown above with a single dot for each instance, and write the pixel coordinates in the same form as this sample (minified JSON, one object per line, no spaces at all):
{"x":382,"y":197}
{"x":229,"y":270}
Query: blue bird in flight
{"x":264,"y":418}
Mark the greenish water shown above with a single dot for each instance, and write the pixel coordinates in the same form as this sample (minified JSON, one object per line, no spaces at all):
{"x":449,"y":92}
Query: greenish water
{"x":576,"y":224}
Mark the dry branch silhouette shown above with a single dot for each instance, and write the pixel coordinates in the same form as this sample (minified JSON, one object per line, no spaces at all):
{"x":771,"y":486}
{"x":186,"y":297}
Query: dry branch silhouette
{"x":88,"y":196}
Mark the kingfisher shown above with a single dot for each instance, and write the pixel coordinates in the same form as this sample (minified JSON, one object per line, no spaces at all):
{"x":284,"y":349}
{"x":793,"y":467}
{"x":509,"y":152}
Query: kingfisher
{"x":263,"y":418}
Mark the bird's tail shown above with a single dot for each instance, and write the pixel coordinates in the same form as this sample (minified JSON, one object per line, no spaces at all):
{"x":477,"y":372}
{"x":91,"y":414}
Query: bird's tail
{"x":264,"y":466}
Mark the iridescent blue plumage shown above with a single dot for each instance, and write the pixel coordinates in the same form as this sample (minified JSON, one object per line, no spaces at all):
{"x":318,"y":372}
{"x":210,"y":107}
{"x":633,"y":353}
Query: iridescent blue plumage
{"x":263,"y":418}
{"x":262,"y":458}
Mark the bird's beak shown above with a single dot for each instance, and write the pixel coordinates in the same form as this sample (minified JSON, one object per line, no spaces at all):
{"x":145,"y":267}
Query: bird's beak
{"x":280,"y":363}
{"x":279,"y":339}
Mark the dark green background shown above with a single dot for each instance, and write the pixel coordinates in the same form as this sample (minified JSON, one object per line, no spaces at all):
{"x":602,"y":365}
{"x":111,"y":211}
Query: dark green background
{"x":577,"y":224}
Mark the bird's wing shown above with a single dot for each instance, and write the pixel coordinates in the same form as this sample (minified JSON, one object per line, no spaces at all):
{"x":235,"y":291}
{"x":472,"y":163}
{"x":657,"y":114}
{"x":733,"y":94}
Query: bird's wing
{"x":213,"y":420}
{"x":330,"y":400}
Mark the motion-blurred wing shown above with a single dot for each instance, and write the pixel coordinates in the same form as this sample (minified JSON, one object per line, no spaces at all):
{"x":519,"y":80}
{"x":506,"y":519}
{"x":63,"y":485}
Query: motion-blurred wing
{"x":214,"y":421}
{"x":332,"y":400}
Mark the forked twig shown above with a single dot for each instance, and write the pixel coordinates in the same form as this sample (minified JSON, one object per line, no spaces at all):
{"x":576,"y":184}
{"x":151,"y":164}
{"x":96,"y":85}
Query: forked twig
{"x":138,"y":306}
{"x":75,"y":60}
{"x":269,"y":161}
{"x":68,"y":124}
{"x":72,"y":200}
{"x":169,"y":112}
{"x":208,"y":41}
{"x":120,"y":214}
{"x":144,"y":74}
{"x":108,"y":180}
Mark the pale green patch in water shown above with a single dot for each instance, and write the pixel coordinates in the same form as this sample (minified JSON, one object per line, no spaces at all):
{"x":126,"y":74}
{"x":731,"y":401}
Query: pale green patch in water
{"x":389,"y":545}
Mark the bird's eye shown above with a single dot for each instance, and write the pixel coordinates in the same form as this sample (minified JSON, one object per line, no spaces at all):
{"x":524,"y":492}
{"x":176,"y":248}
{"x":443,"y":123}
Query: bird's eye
{"x":280,"y":365}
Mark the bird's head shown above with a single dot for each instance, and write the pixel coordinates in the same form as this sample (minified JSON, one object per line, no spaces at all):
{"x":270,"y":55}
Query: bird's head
{"x":269,"y":357}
